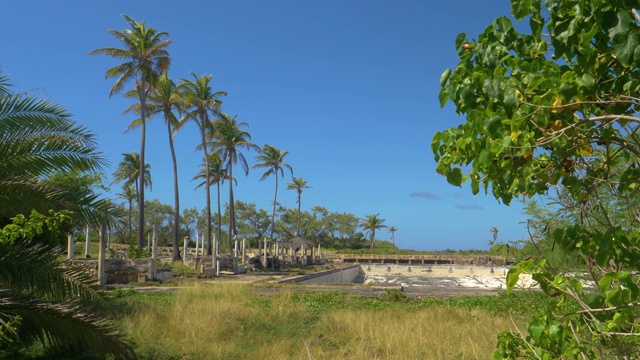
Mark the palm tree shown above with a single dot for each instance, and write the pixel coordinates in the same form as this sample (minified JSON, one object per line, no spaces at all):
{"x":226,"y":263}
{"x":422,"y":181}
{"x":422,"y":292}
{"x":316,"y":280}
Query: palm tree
{"x":38,"y":141}
{"x":198,"y":96}
{"x":371,"y":223}
{"x":145,"y":58}
{"x":217,"y":174}
{"x":229,"y":139}
{"x":128,"y":171}
{"x":129,"y":194}
{"x":39,"y":298}
{"x":298,"y":185}
{"x":162,"y":100}
{"x":393,"y":230}
{"x":493,"y":242}
{"x":271,"y":158}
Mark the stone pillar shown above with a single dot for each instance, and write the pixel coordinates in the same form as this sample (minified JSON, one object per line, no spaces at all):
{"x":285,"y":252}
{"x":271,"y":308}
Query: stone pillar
{"x":102,"y":279}
{"x":304,"y":255}
{"x":154,"y":253}
{"x":184,"y":250}
{"x":71,"y":247}
{"x":244,"y":250}
{"x":235,"y":254}
{"x":313,"y":255}
{"x":148,"y":242}
{"x":87,"y":243}
{"x":264,"y":261}
{"x":197,"y":237}
{"x":292,"y":255}
{"x":215,"y":269}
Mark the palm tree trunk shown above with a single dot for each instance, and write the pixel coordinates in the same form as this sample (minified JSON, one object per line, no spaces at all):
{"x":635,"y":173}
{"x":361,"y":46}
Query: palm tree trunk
{"x":130,"y":221}
{"x":207,"y":187}
{"x":142,"y":92}
{"x":219,"y":214}
{"x":176,"y":214}
{"x":298,"y":229}
{"x":273,"y":214}
{"x":373,"y":235}
{"x":232,"y":214}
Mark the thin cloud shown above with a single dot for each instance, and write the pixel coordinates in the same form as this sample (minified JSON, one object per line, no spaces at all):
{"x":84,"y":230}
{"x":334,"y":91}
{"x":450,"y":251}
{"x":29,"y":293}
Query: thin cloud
{"x":425,"y":195}
{"x":469,"y":207}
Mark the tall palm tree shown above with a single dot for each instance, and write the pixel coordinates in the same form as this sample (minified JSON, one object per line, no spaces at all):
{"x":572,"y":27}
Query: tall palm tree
{"x":298,"y":185}
{"x":129,"y":194}
{"x":393,"y":230}
{"x":199,"y":100}
{"x":272,"y":159}
{"x":162,"y":100}
{"x":145,"y":58}
{"x":128,"y":171}
{"x":217,"y":175}
{"x":371,"y":223}
{"x":229,"y":139}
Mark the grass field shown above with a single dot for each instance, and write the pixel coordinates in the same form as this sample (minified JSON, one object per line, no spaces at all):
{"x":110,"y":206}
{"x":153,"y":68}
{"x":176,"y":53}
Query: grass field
{"x":224,"y":321}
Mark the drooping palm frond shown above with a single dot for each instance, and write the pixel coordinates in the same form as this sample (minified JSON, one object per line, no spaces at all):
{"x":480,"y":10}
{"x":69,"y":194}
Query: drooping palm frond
{"x":37,"y":138}
{"x":54,"y":305}
{"x":4,"y":84}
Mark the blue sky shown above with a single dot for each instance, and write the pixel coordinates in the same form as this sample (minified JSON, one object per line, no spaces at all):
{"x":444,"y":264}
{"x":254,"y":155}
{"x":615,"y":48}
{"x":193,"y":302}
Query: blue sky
{"x":348,"y":87}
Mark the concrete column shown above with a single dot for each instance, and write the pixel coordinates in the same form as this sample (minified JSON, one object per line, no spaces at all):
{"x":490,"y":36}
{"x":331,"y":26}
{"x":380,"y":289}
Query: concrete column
{"x":264,"y":261}
{"x":304,"y":255}
{"x":197,"y":237}
{"x":87,"y":243}
{"x":71,"y":247}
{"x":102,"y":279}
{"x":292,"y":254}
{"x":235,"y":254}
{"x":148,"y":242}
{"x":244,"y":251}
{"x":214,"y":255}
{"x":154,"y":253}
{"x":184,"y":250}
{"x":313,"y":255}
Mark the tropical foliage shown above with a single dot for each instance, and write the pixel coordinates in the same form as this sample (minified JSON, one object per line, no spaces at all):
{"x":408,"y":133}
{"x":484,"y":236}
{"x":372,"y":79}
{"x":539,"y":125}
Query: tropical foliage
{"x":554,"y":110}
{"x":298,"y":184}
{"x":43,"y":155}
{"x":370,"y":224}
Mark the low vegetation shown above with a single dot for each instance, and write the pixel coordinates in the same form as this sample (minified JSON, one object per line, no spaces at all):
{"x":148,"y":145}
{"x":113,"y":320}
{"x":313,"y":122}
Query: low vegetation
{"x":228,"y":321}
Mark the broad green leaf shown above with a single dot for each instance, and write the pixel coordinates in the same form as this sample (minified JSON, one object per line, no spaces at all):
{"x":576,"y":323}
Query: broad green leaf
{"x":604,"y":284}
{"x":555,"y":332}
{"x":444,"y":77}
{"x":454,"y":177}
{"x":624,"y":47}
{"x":460,"y":39}
{"x":493,"y":124}
{"x":536,"y":328}
{"x":512,"y":277}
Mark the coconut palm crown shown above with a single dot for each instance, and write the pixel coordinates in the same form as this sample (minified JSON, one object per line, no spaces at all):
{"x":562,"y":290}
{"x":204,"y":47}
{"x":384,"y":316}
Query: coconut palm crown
{"x":272,"y":159}
{"x":371,"y":223}
{"x":298,"y":184}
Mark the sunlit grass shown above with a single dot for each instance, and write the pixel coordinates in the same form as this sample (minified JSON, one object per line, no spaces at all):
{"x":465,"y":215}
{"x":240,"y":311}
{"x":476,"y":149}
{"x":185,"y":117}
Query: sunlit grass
{"x":224,"y":321}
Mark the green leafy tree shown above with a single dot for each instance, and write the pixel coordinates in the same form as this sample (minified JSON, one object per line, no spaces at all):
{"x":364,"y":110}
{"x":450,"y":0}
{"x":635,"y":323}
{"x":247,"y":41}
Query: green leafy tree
{"x":298,"y":184}
{"x":555,"y":108}
{"x":229,"y":139}
{"x":370,"y":224}
{"x":200,"y":100}
{"x":163,"y":99}
{"x":272,"y":159}
{"x":145,"y":57}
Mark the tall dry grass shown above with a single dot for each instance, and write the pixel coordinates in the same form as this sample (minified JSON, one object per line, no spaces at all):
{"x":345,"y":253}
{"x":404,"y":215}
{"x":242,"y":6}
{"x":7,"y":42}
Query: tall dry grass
{"x":225,"y":321}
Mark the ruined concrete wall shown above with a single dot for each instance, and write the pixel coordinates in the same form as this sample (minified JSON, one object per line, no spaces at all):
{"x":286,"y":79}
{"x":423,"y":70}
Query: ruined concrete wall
{"x":439,"y":259}
{"x":122,"y":271}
